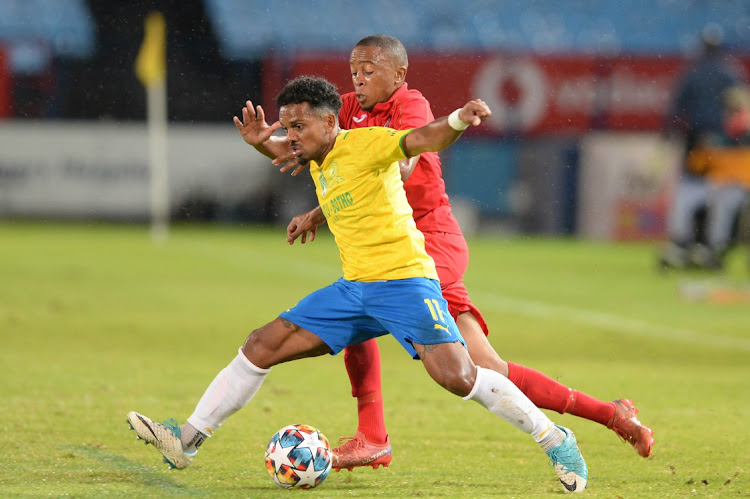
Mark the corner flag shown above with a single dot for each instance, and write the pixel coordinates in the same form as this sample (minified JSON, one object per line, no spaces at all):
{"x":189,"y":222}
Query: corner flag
{"x":151,"y":70}
{"x":151,"y":63}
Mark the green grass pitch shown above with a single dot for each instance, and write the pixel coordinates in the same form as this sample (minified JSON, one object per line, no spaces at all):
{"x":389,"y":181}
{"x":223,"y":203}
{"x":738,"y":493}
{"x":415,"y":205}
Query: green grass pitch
{"x":95,"y":320}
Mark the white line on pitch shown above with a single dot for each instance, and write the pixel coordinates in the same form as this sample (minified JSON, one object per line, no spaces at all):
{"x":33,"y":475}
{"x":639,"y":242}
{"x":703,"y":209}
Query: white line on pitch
{"x":530,"y":308}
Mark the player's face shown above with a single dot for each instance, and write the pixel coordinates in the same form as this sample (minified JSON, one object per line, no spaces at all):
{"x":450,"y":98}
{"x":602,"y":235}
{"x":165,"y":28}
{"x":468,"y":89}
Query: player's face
{"x":375,"y":76}
{"x":310,"y":133}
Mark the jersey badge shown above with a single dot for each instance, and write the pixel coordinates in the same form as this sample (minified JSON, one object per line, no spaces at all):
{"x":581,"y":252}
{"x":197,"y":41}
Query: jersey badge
{"x":332,"y":179}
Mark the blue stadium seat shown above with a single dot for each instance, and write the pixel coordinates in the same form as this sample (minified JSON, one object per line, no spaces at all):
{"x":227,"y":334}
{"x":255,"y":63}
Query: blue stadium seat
{"x":66,"y":26}
{"x":247,"y":29}
{"x":542,"y":26}
{"x":244,"y":30}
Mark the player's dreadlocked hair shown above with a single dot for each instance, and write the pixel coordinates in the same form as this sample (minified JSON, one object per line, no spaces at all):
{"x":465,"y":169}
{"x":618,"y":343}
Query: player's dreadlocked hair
{"x":318,"y":92}
{"x":388,"y":44}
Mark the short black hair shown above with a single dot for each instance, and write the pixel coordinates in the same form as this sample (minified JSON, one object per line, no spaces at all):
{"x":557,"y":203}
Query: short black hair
{"x":388,"y":44}
{"x":318,"y":92}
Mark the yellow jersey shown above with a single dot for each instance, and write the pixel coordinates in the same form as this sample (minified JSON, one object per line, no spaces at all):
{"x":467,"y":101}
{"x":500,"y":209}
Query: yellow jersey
{"x":360,"y":191}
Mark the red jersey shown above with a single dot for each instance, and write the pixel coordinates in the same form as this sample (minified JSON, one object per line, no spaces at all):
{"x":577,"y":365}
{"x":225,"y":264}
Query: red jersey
{"x":425,"y":189}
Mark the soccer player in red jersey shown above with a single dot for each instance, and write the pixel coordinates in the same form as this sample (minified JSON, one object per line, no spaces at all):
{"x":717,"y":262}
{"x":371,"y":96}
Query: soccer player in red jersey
{"x":381,"y":97}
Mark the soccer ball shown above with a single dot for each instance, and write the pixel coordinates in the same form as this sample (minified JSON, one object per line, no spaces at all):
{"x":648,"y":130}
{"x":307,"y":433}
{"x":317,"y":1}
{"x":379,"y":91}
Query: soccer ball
{"x":298,"y":456}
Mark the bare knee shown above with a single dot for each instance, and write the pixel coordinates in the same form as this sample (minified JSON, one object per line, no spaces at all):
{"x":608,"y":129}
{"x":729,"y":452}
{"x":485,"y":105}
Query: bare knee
{"x":258,"y":347}
{"x":281,"y":341}
{"x":450,"y":366}
{"x":458,"y":381}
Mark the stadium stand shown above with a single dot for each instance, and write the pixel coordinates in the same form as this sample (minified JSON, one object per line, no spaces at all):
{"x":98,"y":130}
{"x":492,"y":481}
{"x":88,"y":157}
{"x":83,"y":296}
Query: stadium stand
{"x":36,"y":30}
{"x":57,"y":50}
{"x":245,"y":29}
{"x":249,"y":27}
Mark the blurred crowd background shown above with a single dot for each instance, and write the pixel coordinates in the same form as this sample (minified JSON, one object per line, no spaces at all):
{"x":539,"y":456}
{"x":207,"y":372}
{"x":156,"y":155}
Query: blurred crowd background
{"x":581,"y":92}
{"x":73,"y":58}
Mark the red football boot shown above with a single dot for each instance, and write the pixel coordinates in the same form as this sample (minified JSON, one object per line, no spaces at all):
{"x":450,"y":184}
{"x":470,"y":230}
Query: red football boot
{"x":625,"y":423}
{"x":359,"y":452}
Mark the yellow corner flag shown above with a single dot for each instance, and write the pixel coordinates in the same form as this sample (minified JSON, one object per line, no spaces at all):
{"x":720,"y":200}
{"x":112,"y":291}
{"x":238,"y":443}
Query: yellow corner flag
{"x":151,"y":63}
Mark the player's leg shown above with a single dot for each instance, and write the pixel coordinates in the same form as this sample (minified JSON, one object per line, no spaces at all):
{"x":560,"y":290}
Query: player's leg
{"x":276,"y":342}
{"x":547,"y":393}
{"x":450,"y":253}
{"x":480,"y":349}
{"x":288,"y":337}
{"x":451,"y":259}
{"x":724,"y":203}
{"x":451,"y":367}
{"x":363,"y":367}
{"x":370,"y":445}
{"x":542,"y":390}
{"x":692,"y":192}
{"x":416,"y":314}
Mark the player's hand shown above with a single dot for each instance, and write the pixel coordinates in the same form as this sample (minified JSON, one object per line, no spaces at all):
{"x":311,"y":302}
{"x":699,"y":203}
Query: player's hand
{"x":304,"y":224}
{"x":288,"y":161}
{"x":474,"y":112}
{"x":253,"y":126}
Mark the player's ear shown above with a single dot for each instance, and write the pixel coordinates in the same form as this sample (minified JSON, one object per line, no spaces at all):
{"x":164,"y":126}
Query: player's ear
{"x":330,"y":121}
{"x":400,"y":75}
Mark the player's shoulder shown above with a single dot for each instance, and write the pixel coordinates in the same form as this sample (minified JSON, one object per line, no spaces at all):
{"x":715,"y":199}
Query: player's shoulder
{"x":349,"y":109}
{"x":348,"y":98}
{"x":367,"y":133}
{"x":411,"y":95}
{"x":349,"y":102}
{"x":370,"y":130}
{"x":410,"y":109}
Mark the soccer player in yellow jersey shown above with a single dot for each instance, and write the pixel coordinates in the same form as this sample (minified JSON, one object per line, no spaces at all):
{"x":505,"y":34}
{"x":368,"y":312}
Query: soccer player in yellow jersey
{"x":389,"y":285}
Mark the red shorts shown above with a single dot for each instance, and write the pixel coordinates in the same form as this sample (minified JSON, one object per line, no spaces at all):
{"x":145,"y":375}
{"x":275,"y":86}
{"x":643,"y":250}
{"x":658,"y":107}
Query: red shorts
{"x":451,"y":255}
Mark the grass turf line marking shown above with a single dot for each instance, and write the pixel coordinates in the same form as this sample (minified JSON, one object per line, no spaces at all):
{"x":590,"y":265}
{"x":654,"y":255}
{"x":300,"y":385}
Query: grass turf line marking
{"x":530,"y":308}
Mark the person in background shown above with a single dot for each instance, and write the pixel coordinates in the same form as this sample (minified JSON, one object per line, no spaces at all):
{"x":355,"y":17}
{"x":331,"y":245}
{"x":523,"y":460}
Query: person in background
{"x":696,"y":113}
{"x":381,"y":97}
{"x":724,"y":159}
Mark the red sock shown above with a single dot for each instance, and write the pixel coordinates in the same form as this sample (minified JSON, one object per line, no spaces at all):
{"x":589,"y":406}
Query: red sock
{"x":546,"y":393}
{"x":586,"y":406}
{"x":363,"y":366}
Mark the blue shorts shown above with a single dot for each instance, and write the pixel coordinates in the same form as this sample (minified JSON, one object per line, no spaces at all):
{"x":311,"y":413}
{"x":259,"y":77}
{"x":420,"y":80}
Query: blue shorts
{"x":350,"y":312}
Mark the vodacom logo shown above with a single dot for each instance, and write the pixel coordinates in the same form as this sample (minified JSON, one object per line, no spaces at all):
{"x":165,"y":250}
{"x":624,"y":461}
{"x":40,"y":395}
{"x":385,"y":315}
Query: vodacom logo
{"x":516,"y":92}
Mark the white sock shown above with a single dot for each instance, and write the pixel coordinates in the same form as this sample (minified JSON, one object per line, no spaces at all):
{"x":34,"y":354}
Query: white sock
{"x":498,"y":394}
{"x":229,"y":392}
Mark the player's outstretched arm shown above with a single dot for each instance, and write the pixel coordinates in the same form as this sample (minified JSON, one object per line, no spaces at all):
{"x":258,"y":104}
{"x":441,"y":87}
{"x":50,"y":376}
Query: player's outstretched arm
{"x":444,"y":131}
{"x":259,"y":134}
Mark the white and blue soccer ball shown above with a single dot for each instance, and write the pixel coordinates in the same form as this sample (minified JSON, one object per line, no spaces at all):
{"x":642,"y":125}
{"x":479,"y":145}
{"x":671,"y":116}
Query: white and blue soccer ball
{"x":298,"y":456}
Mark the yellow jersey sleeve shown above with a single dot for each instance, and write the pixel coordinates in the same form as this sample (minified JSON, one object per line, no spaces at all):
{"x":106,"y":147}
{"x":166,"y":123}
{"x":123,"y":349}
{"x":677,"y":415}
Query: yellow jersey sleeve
{"x":380,"y":145}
